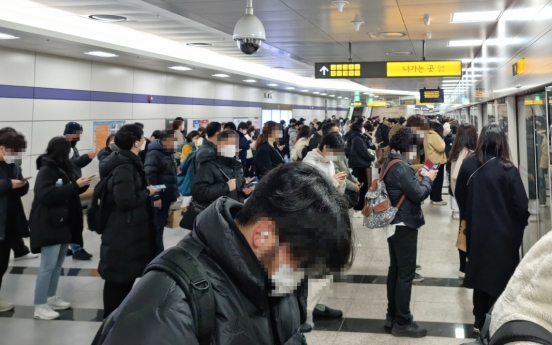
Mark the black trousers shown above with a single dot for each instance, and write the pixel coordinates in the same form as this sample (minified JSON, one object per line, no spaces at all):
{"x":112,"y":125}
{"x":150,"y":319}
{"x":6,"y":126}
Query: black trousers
{"x":402,"y":251}
{"x":249,"y":170}
{"x":362,"y":174}
{"x":437,"y":189}
{"x":5,"y":248}
{"x":482,"y":303}
{"x":114,"y":294}
{"x":463,"y":260}
{"x":18,"y":246}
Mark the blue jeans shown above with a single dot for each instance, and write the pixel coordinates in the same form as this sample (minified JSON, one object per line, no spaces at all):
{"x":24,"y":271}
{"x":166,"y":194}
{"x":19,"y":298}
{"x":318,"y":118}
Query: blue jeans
{"x":74,"y":247}
{"x":47,"y":278}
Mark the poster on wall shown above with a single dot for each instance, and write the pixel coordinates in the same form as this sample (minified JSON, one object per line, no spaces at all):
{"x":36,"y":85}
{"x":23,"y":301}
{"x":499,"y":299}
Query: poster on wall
{"x":103,"y":129}
{"x":257,"y":122}
{"x":199,"y":123}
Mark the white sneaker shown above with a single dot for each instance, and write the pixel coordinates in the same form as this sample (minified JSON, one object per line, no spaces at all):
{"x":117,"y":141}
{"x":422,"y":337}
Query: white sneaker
{"x":5,"y":306}
{"x":533,"y":218}
{"x":455,"y":215}
{"x":45,"y":312}
{"x":439,"y":203}
{"x":58,"y":304}
{"x":358,"y":214}
{"x":25,"y":257}
{"x":461,"y":275}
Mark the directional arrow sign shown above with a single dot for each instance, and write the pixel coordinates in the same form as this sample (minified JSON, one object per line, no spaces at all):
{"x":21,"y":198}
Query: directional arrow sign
{"x":324,"y":69}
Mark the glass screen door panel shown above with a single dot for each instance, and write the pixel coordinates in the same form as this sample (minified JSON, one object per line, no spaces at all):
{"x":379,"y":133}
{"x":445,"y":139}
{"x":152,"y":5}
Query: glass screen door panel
{"x":533,"y":137}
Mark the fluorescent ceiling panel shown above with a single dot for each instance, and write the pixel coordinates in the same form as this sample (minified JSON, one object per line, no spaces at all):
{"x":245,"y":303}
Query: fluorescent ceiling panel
{"x":465,"y":43}
{"x":474,"y":17}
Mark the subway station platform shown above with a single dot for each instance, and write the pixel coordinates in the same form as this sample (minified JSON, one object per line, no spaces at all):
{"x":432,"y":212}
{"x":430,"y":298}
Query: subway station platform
{"x":439,"y":303}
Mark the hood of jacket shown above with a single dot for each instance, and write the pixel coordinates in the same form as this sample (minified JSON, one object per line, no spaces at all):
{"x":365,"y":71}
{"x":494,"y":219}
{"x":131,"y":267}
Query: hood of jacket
{"x":157,"y":146}
{"x":117,"y":159}
{"x":216,"y":230}
{"x":388,"y":124}
{"x":44,"y":160}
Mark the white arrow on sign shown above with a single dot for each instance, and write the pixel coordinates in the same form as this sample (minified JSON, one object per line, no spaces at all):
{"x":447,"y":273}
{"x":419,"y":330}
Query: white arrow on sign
{"x":324,"y":69}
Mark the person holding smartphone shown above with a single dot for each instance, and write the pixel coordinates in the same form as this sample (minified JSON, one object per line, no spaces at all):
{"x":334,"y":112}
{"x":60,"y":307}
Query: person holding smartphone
{"x":128,"y":243}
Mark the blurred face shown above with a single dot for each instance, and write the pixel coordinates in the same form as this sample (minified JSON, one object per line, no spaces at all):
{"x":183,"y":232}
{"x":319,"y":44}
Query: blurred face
{"x":228,"y":147}
{"x":333,"y":154}
{"x":169,"y":143}
{"x":277,"y":133}
{"x":74,"y":136}
{"x":194,"y":139}
{"x":11,"y":156}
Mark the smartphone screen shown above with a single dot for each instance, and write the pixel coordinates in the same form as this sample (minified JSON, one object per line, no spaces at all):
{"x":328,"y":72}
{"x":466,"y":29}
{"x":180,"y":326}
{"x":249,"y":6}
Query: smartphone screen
{"x":428,"y":166}
{"x":160,"y":187}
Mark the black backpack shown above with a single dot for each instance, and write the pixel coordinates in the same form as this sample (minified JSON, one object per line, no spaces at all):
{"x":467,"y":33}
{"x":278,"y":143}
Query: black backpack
{"x":181,"y":264}
{"x":513,"y":331}
{"x":95,"y":213}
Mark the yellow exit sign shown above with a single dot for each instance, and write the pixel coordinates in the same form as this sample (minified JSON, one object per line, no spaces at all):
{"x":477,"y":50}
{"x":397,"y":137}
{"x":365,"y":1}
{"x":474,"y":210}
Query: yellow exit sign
{"x":409,"y":69}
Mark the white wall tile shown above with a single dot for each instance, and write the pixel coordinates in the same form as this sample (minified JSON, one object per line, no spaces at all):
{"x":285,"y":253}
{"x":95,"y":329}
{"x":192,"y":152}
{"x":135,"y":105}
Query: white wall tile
{"x":148,"y":111}
{"x":17,"y":67}
{"x":49,"y":109}
{"x":204,"y":88}
{"x":152,"y":125}
{"x":243,"y":93}
{"x":173,"y":111}
{"x":62,"y":73}
{"x":16,"y":108}
{"x":203,"y":112}
{"x":110,"y":111}
{"x":149,"y":82}
{"x":180,"y":86}
{"x":222,"y":112}
{"x":224,"y":91}
{"x":111,"y":78}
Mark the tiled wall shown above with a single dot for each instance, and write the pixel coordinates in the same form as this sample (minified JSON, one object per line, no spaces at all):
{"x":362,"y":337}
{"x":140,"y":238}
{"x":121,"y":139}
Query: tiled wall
{"x":51,"y":83}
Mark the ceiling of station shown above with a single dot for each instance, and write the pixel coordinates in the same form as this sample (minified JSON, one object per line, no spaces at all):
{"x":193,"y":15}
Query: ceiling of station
{"x":302,"y":32}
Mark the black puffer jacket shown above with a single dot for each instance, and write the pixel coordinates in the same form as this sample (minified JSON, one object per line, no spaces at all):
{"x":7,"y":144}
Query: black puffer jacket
{"x":359,"y":157}
{"x":210,"y":183}
{"x":160,"y":168}
{"x":266,"y":159}
{"x":156,"y":310}
{"x":128,"y":242}
{"x":56,"y":214}
{"x":401,"y":180}
{"x":103,"y":154}
{"x":10,"y":202}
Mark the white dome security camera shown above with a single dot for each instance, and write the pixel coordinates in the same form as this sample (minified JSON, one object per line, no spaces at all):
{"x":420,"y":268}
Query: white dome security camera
{"x":249,"y":32}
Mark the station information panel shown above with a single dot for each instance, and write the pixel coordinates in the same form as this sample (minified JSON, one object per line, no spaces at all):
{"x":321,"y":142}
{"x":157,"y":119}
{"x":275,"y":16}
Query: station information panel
{"x":388,"y":69}
{"x":432,"y":96}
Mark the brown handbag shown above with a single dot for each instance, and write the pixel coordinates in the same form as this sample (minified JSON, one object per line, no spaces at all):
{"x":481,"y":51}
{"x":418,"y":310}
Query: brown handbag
{"x":461,"y":241}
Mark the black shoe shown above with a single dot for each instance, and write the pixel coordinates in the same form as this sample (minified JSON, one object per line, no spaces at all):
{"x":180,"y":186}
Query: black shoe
{"x":69,"y":252}
{"x":82,"y":255}
{"x":306,"y":328}
{"x":478,"y":324}
{"x":418,"y":278}
{"x":328,"y":313}
{"x":389,"y":322}
{"x":411,"y":330}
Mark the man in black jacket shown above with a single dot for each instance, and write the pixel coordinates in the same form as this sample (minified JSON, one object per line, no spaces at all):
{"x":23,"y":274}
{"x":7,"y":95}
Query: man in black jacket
{"x":160,"y":169}
{"x":128,"y":239}
{"x":208,"y":149}
{"x":255,"y":255}
{"x":402,"y":235}
{"x":13,"y":222}
{"x":72,"y":133}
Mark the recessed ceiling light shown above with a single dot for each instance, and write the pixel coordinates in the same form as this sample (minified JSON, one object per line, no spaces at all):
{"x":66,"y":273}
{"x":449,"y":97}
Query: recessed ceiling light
{"x":221,"y":75}
{"x":465,"y":43}
{"x":7,"y":37}
{"x":304,"y":90}
{"x":101,"y":54}
{"x":199,"y":44}
{"x":272,"y":84}
{"x":339,"y":97}
{"x":346,"y":98}
{"x":332,"y":95}
{"x":180,"y":68}
{"x":398,"y":53}
{"x":323,"y":94}
{"x":250,"y":81}
{"x":290,"y":88}
{"x":316,"y":92}
{"x":366,"y":93}
{"x":107,"y":18}
{"x":466,"y":17}
{"x":387,"y":34}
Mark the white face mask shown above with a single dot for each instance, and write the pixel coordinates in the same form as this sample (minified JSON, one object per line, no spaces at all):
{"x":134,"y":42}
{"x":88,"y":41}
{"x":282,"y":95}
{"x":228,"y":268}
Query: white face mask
{"x":363,"y":131}
{"x":71,"y":153}
{"x":13,"y":159}
{"x":228,"y":151}
{"x":286,"y":280}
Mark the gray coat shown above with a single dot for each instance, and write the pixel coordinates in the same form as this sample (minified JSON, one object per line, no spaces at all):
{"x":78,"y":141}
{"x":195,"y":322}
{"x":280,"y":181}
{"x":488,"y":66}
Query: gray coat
{"x":79,"y":162}
{"x":343,"y":165}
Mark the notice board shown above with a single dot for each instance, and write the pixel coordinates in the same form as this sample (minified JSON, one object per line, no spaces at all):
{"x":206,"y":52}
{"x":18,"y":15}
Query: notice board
{"x":102,"y":130}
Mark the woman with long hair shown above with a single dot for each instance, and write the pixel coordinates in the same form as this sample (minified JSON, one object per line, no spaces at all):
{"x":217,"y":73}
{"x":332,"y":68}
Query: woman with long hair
{"x":55,"y":221}
{"x":267,"y":157}
{"x":434,"y":149}
{"x":300,"y":144}
{"x":464,"y":144}
{"x":494,"y":204}
{"x":108,"y":149}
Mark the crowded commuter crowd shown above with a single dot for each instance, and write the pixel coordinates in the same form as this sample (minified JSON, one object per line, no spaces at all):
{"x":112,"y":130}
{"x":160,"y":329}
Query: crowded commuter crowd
{"x":271,"y":213}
